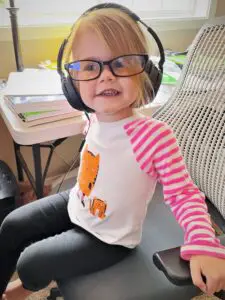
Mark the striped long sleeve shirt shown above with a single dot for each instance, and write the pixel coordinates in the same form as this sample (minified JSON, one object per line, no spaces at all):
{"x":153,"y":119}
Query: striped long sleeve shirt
{"x":121,"y":162}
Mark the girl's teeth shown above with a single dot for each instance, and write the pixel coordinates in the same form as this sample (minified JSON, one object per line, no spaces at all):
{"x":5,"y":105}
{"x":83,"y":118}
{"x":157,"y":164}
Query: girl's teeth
{"x":109,"y":93}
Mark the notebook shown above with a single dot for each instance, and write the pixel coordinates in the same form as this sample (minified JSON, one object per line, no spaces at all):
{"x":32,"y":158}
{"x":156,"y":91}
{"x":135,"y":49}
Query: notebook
{"x":33,"y":82}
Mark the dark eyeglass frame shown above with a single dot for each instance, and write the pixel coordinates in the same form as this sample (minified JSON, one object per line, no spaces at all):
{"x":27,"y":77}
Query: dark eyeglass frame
{"x":108,"y":63}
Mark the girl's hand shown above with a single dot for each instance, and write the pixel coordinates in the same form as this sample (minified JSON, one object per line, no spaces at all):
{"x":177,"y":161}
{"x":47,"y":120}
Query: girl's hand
{"x":212,"y":268}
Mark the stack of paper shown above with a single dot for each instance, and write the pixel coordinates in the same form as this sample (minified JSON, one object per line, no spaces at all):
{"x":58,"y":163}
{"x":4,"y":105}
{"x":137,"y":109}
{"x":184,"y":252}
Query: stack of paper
{"x":36,"y":97}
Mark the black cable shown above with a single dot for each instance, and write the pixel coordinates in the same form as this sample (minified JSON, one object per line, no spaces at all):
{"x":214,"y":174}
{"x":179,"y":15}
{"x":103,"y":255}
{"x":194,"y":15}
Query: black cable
{"x":77,"y":155}
{"x":64,"y":177}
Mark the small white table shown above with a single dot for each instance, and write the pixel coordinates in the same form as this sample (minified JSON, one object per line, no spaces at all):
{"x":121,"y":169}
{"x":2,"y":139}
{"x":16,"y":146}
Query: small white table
{"x":40,"y":133}
{"x":35,"y":136}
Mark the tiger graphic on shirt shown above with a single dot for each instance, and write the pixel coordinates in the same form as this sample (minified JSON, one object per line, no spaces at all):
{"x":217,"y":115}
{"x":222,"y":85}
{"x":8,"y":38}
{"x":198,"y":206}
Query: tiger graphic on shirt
{"x":87,"y":177}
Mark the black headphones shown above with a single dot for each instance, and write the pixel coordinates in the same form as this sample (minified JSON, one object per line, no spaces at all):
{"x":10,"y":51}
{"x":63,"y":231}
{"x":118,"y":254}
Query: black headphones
{"x":154,"y":72}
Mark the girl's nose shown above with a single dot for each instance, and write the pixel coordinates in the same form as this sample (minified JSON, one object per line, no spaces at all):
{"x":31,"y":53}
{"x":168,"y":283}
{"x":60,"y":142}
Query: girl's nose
{"x":106,"y":74}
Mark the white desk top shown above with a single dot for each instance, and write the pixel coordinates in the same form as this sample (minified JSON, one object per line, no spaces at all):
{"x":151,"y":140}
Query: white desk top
{"x":40,"y":133}
{"x":49,"y":131}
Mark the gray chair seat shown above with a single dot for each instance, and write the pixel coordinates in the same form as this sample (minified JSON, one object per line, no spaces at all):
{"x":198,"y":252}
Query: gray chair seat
{"x":136,"y":277}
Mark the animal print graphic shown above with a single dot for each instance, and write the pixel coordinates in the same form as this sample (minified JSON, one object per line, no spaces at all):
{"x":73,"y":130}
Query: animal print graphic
{"x":97,"y":206}
{"x":87,"y":178}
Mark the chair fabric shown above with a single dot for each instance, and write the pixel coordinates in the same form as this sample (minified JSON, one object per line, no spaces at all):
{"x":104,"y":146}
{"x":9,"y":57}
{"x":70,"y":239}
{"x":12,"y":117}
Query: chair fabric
{"x":196,"y":112}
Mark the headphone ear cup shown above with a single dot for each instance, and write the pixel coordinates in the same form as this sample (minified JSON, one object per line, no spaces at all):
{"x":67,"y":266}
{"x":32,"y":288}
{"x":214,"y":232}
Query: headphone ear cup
{"x":155,"y":76}
{"x":73,"y":96}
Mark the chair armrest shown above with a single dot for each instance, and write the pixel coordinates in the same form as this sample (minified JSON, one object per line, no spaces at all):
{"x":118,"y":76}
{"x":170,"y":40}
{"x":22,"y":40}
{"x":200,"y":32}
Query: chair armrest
{"x":216,"y":216}
{"x":173,"y":266}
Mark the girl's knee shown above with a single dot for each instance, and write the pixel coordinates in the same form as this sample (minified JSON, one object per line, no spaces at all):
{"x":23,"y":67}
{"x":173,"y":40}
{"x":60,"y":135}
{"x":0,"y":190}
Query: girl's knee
{"x":31,"y":269}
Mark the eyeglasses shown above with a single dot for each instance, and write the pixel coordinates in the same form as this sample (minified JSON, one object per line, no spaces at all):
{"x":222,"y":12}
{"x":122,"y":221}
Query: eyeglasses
{"x":121,"y":66}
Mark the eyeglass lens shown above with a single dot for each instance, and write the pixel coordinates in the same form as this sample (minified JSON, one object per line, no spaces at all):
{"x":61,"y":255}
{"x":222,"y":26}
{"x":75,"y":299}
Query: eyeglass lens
{"x":122,"y":66}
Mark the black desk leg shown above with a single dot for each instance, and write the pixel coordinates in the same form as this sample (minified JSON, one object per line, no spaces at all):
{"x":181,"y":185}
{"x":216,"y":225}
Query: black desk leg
{"x":38,"y":170}
{"x":18,"y":164}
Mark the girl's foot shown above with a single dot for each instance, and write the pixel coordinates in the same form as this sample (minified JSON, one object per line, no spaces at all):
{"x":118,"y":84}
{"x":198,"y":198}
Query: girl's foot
{"x":15,"y":291}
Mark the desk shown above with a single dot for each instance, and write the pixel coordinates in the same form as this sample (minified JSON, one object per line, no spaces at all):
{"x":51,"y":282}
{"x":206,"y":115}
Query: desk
{"x":37,"y":135}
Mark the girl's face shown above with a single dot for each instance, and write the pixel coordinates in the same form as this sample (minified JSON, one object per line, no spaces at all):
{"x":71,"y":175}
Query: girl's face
{"x":100,"y":93}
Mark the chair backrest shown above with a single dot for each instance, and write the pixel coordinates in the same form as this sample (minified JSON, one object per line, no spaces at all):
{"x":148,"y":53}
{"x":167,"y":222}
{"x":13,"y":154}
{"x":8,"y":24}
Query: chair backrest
{"x":196,"y":112}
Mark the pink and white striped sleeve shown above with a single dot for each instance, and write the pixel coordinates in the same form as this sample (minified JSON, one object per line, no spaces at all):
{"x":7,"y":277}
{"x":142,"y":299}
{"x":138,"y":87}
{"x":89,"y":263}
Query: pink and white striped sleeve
{"x":158,"y":154}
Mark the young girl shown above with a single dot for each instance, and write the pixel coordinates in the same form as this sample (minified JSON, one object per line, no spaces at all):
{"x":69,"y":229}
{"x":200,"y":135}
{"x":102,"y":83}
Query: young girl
{"x":124,"y":155}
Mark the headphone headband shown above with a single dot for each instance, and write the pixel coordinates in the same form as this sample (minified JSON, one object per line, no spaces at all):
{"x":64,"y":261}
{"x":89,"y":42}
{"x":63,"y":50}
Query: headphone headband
{"x":113,"y":5}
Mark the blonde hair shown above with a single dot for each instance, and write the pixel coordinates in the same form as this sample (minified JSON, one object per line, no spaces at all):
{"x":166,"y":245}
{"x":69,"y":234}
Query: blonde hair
{"x":122,"y":35}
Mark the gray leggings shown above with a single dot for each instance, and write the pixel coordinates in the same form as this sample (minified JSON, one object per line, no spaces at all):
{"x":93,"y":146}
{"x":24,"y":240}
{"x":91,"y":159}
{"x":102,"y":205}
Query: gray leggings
{"x":39,"y":241}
